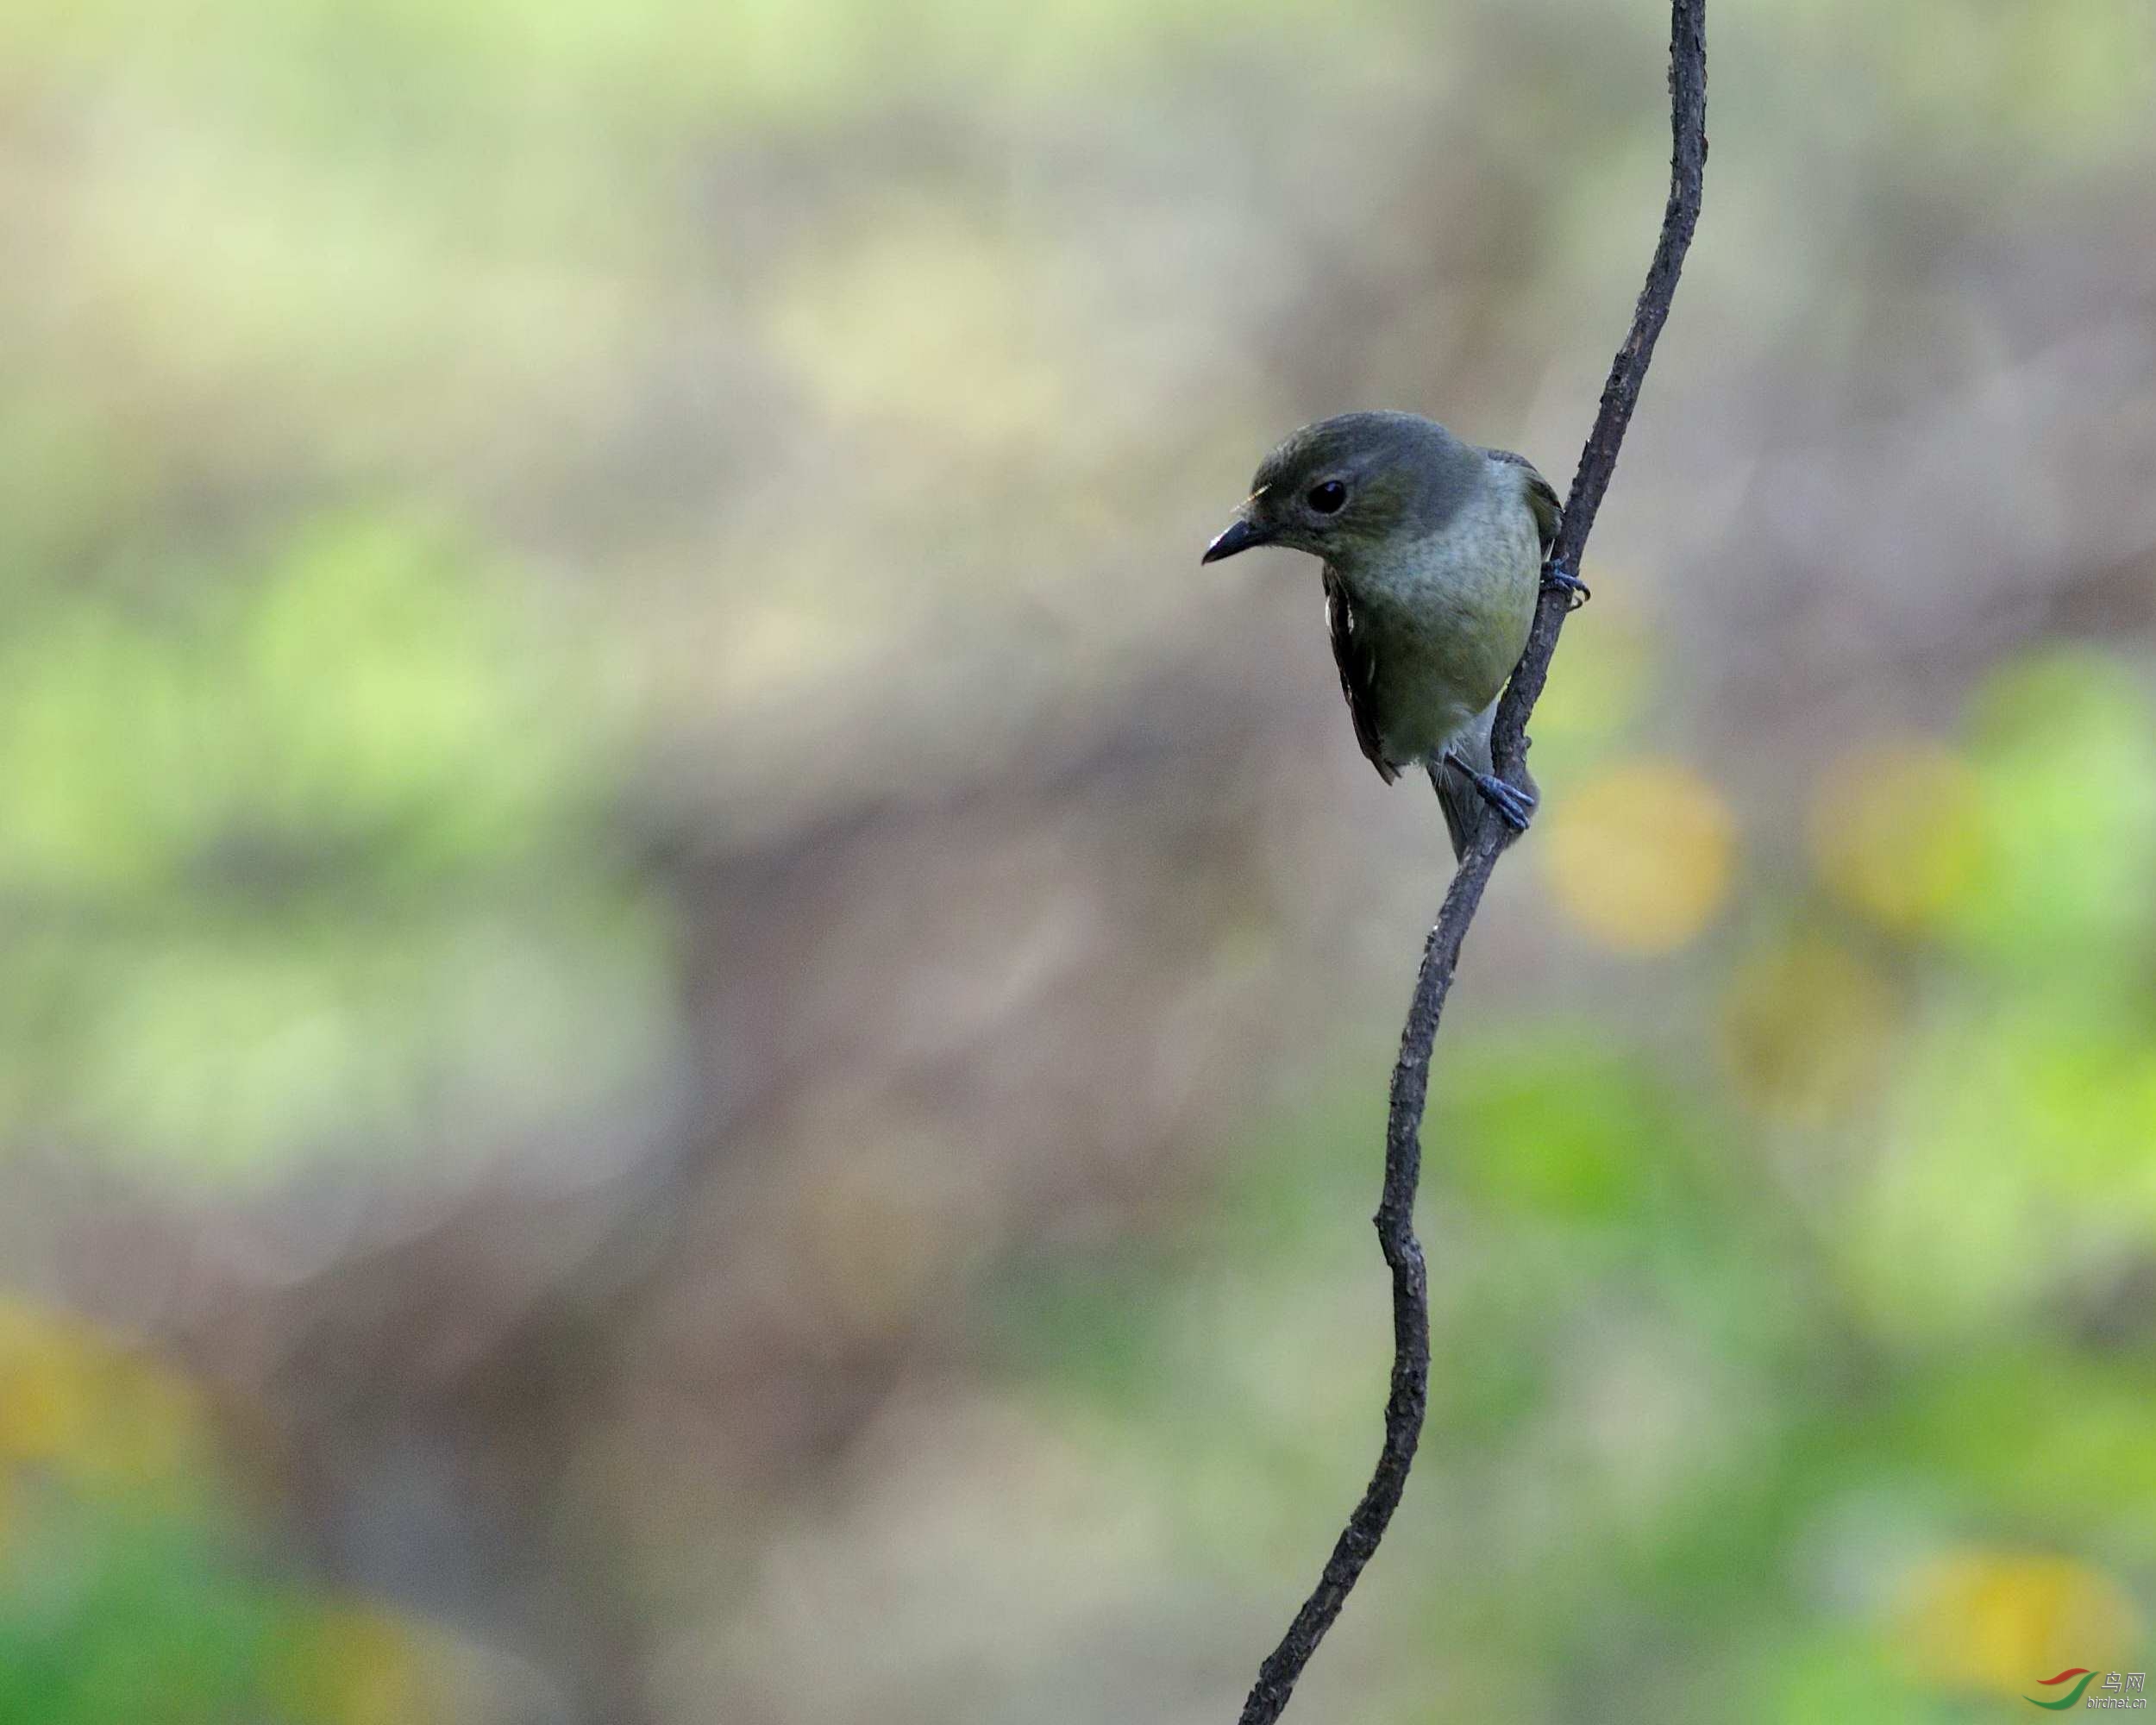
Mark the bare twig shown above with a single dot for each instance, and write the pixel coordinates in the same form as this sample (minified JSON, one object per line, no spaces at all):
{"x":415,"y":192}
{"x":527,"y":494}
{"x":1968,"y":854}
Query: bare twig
{"x":1441,"y":950}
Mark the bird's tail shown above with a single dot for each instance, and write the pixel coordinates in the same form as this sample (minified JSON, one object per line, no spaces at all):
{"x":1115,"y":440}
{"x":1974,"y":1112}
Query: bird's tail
{"x":1464,"y":809}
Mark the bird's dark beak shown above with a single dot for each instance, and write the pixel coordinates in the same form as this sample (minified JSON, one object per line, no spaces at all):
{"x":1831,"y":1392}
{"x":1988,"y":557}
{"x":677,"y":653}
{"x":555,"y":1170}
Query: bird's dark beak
{"x":1239,"y":535}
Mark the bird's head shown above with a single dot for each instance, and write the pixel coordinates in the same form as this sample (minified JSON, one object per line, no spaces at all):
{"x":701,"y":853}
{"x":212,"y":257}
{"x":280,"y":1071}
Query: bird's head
{"x":1353,"y":488}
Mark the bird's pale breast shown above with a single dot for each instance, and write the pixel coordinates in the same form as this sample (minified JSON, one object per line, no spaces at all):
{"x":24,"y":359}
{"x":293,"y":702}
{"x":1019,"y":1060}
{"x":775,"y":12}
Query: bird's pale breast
{"x":1448,"y":617}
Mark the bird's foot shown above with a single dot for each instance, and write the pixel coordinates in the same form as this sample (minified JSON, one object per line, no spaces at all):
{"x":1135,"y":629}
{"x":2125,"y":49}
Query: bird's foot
{"x":1577,"y":591}
{"x":1513,"y":805}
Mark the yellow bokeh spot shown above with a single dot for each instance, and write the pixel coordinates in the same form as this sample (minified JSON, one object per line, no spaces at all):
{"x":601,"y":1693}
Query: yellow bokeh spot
{"x":2005,"y":1621}
{"x":353,"y":1665}
{"x":1896,"y":831}
{"x":1642,"y":858}
{"x":1806,"y":1028}
{"x":93,"y":1408}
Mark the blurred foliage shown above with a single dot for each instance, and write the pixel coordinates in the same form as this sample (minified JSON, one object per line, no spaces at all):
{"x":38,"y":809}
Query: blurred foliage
{"x":128,"y":1577}
{"x":1777,"y":1342}
{"x":281,"y":840}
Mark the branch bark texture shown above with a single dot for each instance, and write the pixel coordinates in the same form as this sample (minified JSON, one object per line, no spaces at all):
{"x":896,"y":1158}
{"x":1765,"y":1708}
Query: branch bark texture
{"x":1405,"y":1406}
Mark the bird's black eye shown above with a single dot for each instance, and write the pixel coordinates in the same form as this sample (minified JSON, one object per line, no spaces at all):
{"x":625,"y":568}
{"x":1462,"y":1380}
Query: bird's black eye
{"x":1327,"y":496}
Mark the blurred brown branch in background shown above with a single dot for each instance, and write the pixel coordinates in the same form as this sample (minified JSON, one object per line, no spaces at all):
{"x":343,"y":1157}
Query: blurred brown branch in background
{"x":1405,"y":1407}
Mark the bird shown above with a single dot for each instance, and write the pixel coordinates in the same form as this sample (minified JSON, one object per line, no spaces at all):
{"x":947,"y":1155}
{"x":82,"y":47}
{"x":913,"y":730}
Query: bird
{"x":1433,"y":551}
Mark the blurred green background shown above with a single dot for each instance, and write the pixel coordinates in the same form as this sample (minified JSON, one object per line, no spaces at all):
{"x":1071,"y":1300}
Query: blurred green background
{"x":689,"y":1031}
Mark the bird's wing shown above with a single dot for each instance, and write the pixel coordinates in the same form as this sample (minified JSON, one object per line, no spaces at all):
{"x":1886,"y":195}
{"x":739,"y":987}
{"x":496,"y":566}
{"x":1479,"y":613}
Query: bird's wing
{"x":1358,"y":671}
{"x":1542,"y":498}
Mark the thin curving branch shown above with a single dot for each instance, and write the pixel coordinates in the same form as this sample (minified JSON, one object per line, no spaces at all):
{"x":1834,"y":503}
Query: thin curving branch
{"x":1441,"y":950}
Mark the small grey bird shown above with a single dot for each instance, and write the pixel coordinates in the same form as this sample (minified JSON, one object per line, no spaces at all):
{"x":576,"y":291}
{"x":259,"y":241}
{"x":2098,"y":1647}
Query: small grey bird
{"x":1433,"y":551}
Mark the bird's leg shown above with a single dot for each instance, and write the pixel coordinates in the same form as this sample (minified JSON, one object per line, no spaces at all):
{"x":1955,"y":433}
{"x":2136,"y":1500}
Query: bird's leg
{"x":1513,"y":805}
{"x":1577,"y":591}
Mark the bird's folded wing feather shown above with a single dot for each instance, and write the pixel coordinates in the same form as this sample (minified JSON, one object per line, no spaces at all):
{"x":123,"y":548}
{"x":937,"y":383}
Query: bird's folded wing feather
{"x":1542,"y":498}
{"x":1358,"y":671}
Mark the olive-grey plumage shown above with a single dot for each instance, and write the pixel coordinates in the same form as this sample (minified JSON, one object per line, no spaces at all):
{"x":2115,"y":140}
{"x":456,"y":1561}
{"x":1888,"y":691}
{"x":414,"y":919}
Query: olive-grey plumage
{"x":1433,"y":551}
